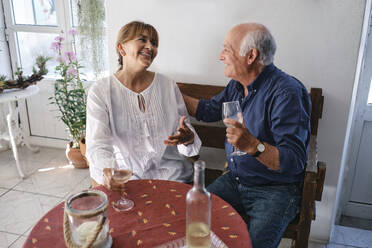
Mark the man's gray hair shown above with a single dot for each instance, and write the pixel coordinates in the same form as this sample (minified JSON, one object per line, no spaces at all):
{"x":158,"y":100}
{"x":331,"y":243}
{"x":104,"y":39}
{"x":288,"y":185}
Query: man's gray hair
{"x":263,"y":41}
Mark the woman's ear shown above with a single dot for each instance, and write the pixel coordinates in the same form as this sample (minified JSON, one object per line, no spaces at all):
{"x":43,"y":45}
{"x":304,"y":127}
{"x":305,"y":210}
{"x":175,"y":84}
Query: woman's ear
{"x":121,"y":49}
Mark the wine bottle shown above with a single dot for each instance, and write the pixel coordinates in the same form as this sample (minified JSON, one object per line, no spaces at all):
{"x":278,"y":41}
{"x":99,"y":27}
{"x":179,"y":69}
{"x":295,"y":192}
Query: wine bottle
{"x":198,"y":211}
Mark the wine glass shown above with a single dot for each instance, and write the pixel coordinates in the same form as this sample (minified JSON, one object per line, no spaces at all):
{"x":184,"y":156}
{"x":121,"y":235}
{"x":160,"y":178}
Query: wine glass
{"x":231,"y":110}
{"x":121,"y":176}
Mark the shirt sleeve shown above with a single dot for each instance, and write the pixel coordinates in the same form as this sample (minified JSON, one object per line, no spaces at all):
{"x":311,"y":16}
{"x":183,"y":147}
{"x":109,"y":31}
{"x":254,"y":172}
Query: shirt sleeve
{"x":98,"y":134}
{"x":191,"y":149}
{"x":290,"y":126}
{"x":211,"y":110}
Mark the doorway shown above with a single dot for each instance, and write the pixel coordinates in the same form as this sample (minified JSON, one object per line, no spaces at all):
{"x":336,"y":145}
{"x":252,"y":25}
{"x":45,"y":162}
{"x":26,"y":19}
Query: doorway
{"x":355,"y":196}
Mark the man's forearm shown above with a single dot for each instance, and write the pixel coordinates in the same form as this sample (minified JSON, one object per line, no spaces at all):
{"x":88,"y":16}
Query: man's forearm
{"x":191,"y":104}
{"x":270,"y":157}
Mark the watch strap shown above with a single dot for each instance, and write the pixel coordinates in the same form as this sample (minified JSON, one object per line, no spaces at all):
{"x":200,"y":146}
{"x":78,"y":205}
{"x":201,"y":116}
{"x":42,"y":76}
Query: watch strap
{"x":258,"y":153}
{"x":260,"y":149}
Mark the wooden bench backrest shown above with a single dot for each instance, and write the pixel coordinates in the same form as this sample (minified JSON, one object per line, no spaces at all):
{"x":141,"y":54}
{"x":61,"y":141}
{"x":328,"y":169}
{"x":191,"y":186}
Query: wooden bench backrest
{"x":215,"y":136}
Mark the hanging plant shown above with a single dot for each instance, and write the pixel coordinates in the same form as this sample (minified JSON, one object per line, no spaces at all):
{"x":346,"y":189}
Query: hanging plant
{"x":91,"y":17}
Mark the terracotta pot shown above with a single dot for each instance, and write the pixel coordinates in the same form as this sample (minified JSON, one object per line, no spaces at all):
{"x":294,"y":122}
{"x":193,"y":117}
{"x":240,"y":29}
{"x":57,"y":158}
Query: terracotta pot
{"x":83,"y":149}
{"x":75,"y":157}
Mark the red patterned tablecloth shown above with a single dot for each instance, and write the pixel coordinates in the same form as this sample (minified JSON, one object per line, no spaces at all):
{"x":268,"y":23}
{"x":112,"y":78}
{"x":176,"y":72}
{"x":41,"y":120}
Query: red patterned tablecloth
{"x":157,"y":218}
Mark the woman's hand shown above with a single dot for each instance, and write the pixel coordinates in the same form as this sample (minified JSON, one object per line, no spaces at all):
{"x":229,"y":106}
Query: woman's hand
{"x":184,"y":136}
{"x":109,"y":182}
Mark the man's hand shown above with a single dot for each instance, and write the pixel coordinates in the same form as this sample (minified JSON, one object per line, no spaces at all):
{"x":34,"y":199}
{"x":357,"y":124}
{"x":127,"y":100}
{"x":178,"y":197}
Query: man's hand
{"x":184,"y":136}
{"x":240,"y":137}
{"x":109,"y":182}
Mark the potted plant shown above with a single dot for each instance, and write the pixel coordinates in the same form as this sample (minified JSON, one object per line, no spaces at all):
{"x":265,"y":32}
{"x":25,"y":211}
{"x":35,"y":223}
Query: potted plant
{"x":22,"y":81}
{"x":70,"y":98}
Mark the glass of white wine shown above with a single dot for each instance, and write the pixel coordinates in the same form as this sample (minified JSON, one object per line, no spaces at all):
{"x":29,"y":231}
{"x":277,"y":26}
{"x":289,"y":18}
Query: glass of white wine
{"x":121,"y":176}
{"x":232,"y":110}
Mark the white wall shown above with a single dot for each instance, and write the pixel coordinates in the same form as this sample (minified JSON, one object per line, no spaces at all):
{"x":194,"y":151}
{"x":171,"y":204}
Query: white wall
{"x":318,"y":43}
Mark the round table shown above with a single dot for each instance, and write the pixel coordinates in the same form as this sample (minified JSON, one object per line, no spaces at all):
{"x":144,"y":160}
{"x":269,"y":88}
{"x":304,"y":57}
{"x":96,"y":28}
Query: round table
{"x":15,"y":133}
{"x":158,"y":217}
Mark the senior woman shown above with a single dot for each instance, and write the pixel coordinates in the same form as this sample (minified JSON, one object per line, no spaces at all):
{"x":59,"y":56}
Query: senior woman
{"x":136,"y":113}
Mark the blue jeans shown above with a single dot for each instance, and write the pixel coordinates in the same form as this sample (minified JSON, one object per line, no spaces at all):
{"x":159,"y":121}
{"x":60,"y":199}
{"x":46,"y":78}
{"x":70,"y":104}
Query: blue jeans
{"x":270,"y":207}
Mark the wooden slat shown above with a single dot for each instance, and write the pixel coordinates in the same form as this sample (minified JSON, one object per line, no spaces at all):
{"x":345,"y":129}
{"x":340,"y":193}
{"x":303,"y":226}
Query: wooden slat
{"x":320,"y":180}
{"x":200,"y":91}
{"x":317,"y":108}
{"x":211,"y":136}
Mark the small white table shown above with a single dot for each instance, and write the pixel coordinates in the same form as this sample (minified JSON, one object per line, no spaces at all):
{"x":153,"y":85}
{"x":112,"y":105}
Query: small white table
{"x":15,"y":134}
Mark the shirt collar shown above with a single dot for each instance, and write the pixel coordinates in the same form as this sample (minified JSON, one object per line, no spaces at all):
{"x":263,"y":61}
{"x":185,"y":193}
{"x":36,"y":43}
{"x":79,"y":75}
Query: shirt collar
{"x":261,"y":78}
{"x":258,"y":80}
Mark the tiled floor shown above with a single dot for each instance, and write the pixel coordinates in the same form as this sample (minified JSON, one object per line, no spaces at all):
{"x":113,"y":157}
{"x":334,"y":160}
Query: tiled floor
{"x":23,"y":202}
{"x":50,"y":179}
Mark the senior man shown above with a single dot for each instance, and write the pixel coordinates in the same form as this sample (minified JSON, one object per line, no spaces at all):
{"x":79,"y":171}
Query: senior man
{"x":266,"y":182}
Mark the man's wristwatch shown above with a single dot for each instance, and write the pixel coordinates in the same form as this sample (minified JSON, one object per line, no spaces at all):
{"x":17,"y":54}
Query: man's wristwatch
{"x":260,"y":149}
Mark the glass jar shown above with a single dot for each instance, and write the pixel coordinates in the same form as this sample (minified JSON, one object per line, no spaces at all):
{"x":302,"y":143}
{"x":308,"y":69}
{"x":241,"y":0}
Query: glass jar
{"x":85,"y":220}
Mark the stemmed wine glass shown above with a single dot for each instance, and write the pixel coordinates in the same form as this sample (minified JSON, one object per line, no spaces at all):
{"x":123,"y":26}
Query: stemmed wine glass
{"x":232,"y":110}
{"x":121,"y":176}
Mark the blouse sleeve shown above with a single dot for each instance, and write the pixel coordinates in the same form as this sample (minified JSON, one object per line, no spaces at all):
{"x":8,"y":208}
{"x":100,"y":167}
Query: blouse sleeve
{"x":98,"y":134}
{"x":191,"y":149}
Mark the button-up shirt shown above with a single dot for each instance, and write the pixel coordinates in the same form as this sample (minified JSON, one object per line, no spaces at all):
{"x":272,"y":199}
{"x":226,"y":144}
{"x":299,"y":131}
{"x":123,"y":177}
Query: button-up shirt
{"x":276,"y":111}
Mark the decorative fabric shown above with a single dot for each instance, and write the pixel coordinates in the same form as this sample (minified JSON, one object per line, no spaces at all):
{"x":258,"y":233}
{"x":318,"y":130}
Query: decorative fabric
{"x":158,"y":216}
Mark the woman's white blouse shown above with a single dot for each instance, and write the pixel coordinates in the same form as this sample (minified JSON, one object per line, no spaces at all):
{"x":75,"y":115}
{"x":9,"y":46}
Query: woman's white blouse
{"x":115,"y":123}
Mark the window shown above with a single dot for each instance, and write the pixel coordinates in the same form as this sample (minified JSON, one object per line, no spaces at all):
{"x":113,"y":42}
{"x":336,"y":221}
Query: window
{"x":34,"y":12}
{"x":32,"y":25}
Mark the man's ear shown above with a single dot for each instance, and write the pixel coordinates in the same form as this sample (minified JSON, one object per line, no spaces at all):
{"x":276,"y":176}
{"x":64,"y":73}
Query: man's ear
{"x":252,"y":55}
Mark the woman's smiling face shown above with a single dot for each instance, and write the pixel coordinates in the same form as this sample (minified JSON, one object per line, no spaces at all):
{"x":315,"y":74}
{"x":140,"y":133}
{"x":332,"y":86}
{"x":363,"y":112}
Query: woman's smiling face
{"x":140,"y":51}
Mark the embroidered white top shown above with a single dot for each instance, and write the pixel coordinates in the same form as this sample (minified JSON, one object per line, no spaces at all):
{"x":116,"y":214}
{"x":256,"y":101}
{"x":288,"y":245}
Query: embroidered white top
{"x":115,"y":123}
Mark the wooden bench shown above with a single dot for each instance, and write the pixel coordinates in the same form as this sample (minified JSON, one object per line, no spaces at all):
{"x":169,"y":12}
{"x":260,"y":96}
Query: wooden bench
{"x":211,"y":136}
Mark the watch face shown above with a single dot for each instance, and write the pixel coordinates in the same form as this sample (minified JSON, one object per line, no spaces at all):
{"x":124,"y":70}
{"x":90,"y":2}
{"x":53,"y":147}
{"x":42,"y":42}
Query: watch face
{"x":261,"y":147}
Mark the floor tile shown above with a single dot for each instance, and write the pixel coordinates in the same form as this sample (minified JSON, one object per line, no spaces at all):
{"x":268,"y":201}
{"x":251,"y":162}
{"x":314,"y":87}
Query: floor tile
{"x":5,"y":156}
{"x":332,"y":245}
{"x":45,"y":154}
{"x":21,"y":210}
{"x":26,"y":233}
{"x":3,"y":191}
{"x":356,"y":222}
{"x":83,"y":185}
{"x":9,"y":176}
{"x":6,"y":239}
{"x":19,"y":242}
{"x":352,"y":236}
{"x":56,"y":179}
{"x":316,"y":245}
{"x":286,"y":243}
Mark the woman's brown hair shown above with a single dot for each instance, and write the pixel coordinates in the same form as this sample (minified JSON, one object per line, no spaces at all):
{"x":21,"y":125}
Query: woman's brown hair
{"x":132,"y":30}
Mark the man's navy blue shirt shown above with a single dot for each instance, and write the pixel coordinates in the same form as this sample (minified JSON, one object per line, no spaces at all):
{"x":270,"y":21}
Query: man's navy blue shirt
{"x":276,"y":111}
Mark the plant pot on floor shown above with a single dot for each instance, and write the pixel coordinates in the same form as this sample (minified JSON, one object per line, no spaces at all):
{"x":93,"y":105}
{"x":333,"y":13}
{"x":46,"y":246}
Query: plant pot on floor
{"x":83,"y":149}
{"x":75,"y":157}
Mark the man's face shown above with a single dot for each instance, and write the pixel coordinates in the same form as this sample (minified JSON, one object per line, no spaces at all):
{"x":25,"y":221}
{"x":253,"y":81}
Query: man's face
{"x":235,"y":65}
